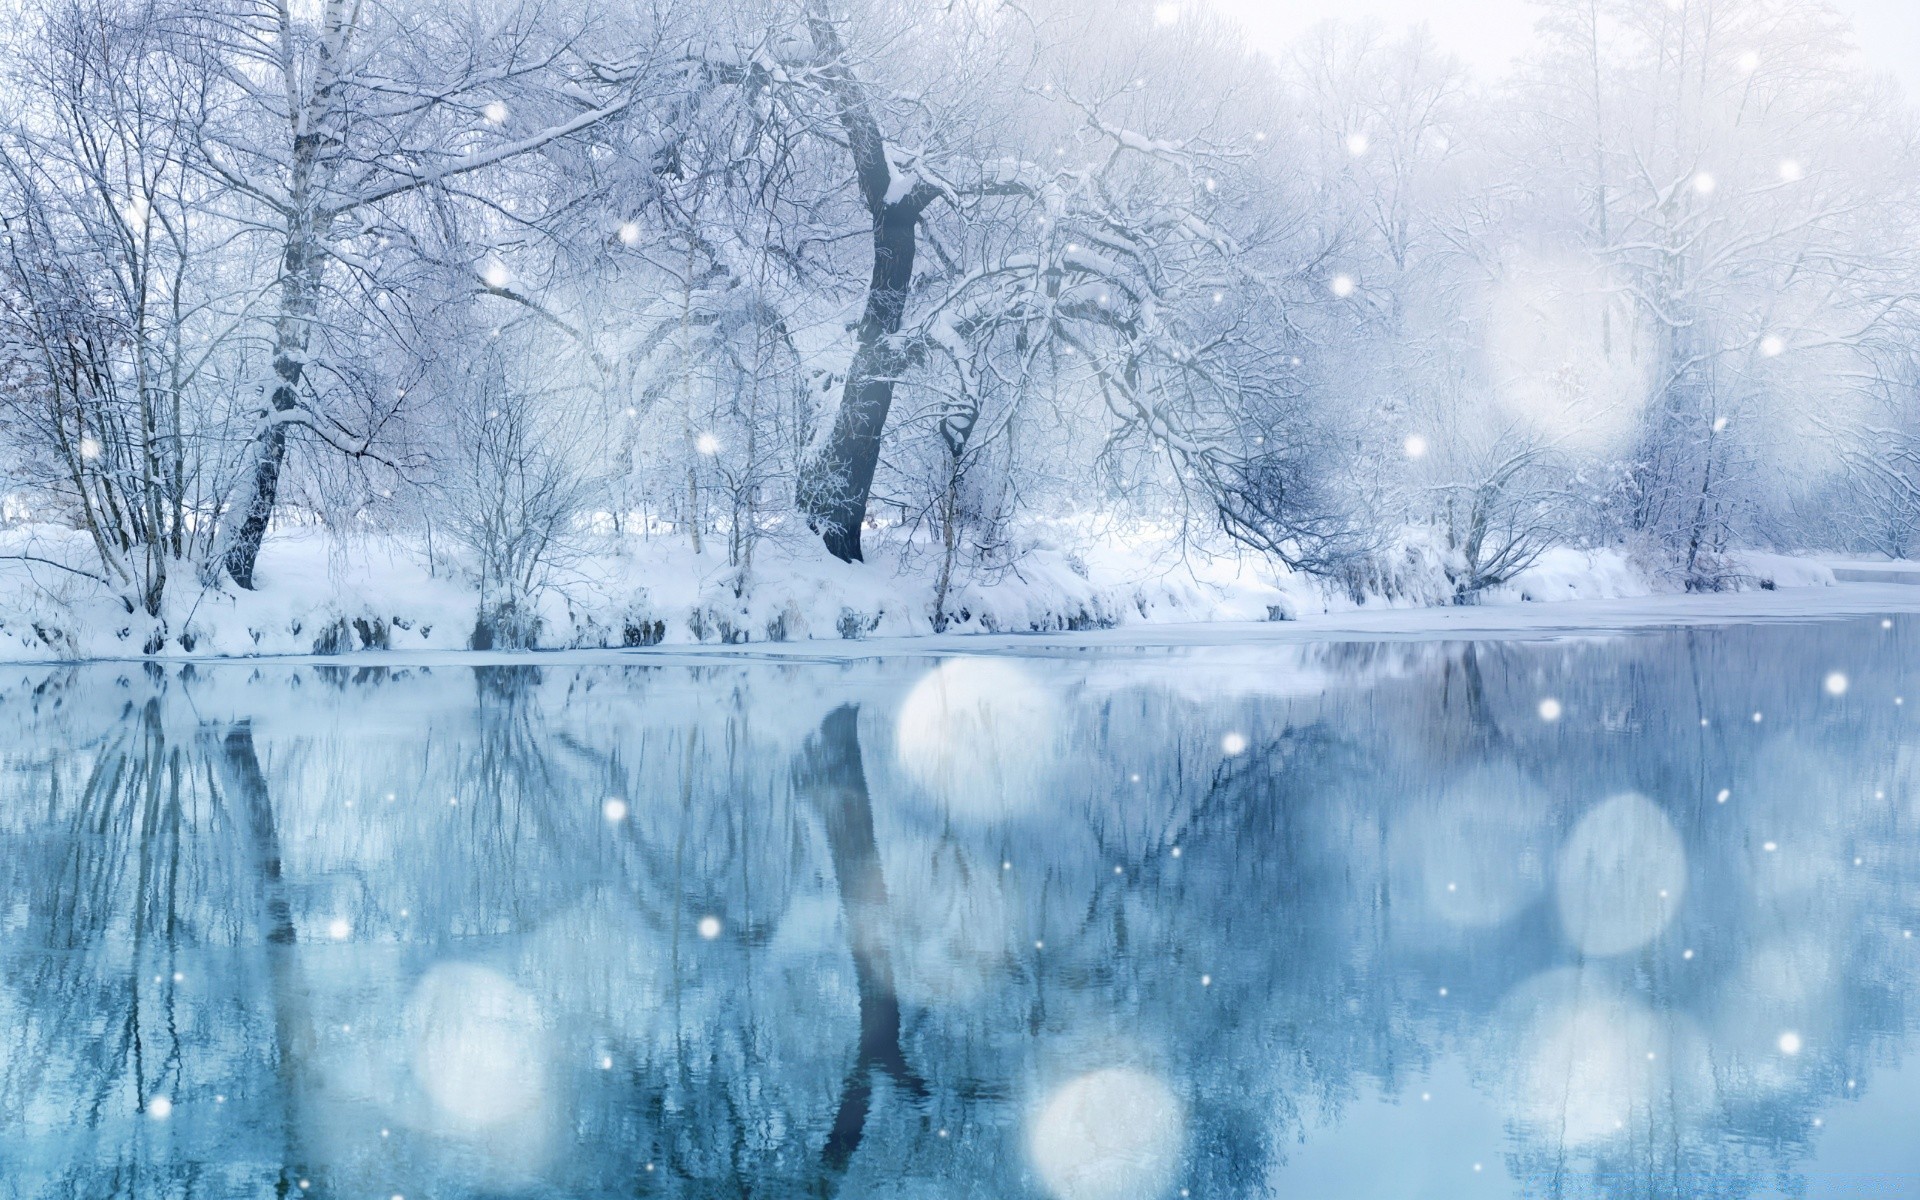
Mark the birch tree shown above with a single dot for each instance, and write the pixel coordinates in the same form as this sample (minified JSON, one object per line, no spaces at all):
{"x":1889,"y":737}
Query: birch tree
{"x":336,"y":121}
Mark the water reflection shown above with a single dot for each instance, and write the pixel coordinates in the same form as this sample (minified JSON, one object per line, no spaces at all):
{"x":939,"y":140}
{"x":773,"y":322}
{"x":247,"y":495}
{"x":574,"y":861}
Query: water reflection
{"x":1227,"y":924}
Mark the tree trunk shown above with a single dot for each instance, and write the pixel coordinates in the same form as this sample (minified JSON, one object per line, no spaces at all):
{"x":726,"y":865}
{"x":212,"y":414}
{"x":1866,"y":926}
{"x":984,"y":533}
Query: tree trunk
{"x":270,"y":445}
{"x":292,"y":337}
{"x":246,"y":787}
{"x":836,"y":482}
{"x":300,"y":262}
{"x":830,"y":773}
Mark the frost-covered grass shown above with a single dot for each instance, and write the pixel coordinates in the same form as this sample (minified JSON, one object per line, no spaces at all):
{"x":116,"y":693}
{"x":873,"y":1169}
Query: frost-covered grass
{"x":318,"y":595}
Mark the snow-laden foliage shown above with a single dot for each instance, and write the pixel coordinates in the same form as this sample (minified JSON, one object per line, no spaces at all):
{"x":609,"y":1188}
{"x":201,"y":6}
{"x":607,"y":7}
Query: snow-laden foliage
{"x":521,"y":284}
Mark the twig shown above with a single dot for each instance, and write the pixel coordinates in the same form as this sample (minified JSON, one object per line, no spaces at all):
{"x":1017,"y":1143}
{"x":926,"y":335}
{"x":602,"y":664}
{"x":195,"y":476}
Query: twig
{"x":49,"y":562}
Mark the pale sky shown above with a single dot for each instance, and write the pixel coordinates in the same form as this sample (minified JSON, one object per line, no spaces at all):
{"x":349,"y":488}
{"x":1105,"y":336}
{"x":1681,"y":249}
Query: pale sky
{"x":1489,"y":34}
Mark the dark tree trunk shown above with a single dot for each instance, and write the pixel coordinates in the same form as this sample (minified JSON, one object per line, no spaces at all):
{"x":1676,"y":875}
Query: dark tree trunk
{"x":291,"y":345}
{"x":263,"y":492}
{"x":836,"y":483}
{"x":831,"y":775}
{"x":246,"y":787}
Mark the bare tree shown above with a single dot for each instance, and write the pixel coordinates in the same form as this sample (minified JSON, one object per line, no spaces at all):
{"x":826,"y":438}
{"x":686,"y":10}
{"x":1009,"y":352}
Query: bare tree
{"x":119,"y":315}
{"x":340,"y":120}
{"x":511,"y":490}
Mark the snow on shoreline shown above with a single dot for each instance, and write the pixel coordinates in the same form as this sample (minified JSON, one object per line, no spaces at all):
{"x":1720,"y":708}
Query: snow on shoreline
{"x":318,"y":597}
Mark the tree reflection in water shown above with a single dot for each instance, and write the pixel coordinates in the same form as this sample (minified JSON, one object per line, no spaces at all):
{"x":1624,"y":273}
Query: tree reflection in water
{"x":379,"y":932}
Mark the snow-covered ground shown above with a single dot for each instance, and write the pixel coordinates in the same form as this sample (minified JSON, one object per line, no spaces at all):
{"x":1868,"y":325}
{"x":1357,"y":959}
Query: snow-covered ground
{"x":319,"y":596}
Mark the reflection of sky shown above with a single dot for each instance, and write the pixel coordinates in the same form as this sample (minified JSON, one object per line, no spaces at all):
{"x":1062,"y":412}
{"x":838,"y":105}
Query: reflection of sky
{"x":1423,"y":1145}
{"x":1029,"y":929}
{"x":1858,"y":1152}
{"x":1420,"y":1145}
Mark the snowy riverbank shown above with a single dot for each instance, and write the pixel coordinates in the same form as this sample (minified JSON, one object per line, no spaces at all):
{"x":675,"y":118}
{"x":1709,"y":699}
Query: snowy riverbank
{"x":318,"y":596}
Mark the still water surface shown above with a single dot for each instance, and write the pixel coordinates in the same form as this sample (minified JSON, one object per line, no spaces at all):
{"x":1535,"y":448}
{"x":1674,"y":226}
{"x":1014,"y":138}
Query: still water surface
{"x":1621,"y":916}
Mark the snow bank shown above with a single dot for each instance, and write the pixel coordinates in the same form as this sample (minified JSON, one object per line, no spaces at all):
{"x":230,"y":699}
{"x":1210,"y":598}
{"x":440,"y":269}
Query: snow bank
{"x":318,"y":595}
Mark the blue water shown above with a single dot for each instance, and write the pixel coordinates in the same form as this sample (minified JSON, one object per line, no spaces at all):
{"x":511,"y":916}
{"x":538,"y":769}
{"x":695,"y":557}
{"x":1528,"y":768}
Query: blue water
{"x":1347,"y":920}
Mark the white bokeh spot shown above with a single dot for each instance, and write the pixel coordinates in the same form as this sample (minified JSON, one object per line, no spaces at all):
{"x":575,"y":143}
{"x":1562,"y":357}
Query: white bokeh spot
{"x":980,"y":734}
{"x":479,"y":1049}
{"x":1590,"y":1061}
{"x":1114,"y":1134}
{"x":1622,"y":876}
